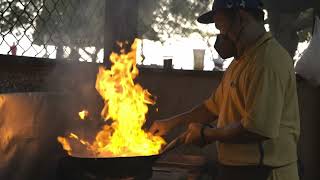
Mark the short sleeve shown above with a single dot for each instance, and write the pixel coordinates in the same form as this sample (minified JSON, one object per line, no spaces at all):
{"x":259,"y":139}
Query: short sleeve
{"x":264,"y":101}
{"x":213,"y":102}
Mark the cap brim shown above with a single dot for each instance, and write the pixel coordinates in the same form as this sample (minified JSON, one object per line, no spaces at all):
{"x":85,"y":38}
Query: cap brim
{"x":206,"y":18}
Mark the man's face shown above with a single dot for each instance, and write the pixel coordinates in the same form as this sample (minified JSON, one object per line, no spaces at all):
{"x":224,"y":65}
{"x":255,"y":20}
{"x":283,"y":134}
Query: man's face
{"x":223,"y":22}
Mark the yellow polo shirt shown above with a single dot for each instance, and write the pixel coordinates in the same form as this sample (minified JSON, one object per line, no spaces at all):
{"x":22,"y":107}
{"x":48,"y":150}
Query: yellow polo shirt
{"x":259,"y":90}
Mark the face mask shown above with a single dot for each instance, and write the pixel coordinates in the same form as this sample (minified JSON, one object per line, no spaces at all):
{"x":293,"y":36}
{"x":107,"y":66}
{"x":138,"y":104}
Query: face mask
{"x":225,"y":47}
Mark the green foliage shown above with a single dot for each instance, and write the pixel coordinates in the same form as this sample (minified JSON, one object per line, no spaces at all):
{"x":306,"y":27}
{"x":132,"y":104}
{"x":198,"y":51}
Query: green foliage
{"x":178,"y":17}
{"x":71,"y":22}
{"x":17,"y":14}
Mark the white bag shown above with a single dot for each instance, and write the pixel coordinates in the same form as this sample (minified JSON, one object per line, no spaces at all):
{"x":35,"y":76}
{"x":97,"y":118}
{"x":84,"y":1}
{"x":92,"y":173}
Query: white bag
{"x":308,"y":66}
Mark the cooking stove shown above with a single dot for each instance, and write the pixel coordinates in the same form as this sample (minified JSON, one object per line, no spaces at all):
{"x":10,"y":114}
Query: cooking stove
{"x":178,"y":166}
{"x":169,"y":167}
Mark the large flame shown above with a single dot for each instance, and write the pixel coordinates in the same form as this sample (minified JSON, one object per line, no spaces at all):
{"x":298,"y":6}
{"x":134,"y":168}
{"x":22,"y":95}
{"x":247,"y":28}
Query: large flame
{"x":126,"y":105}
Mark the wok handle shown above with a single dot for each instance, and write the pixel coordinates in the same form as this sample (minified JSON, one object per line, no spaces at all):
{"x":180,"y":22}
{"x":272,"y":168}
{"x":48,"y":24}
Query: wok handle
{"x":174,"y":143}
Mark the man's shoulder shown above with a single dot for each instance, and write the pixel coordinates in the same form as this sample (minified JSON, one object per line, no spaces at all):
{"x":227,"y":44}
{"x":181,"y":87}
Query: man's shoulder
{"x":273,"y":58}
{"x":273,"y":55}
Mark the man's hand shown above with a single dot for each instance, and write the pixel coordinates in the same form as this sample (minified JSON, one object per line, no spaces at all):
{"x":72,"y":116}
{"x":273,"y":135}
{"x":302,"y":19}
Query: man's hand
{"x":193,"y":134}
{"x":161,"y":127}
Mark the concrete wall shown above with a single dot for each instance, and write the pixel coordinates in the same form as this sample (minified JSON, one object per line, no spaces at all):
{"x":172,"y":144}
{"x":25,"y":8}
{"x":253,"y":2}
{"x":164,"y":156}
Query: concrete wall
{"x":177,"y":92}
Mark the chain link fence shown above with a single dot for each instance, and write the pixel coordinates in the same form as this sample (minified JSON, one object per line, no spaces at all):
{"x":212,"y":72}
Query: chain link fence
{"x":74,"y":29}
{"x":57,"y":29}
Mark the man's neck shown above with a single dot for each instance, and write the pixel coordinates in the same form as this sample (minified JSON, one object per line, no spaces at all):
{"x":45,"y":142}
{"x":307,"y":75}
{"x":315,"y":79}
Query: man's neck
{"x":249,"y":36}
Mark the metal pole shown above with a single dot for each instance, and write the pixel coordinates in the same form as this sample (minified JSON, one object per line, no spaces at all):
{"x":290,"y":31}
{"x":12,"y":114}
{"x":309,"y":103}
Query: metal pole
{"x":120,"y":25}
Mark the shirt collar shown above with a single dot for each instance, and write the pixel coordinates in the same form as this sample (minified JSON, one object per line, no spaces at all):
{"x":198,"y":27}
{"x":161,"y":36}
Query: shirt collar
{"x":253,"y":48}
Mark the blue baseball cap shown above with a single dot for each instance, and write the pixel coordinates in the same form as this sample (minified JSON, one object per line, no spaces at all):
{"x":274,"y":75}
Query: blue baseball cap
{"x":207,"y":17}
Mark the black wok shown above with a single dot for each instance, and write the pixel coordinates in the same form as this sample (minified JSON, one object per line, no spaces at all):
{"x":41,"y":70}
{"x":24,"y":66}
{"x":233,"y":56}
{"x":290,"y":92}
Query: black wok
{"x":80,"y":168}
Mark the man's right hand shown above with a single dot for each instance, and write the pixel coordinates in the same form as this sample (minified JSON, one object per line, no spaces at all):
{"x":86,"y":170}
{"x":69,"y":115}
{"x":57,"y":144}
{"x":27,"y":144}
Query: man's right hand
{"x":161,"y":127}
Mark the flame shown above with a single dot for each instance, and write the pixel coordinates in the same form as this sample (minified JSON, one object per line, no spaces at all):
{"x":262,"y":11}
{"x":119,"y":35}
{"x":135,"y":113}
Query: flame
{"x":126,"y":105}
{"x":83,"y":114}
{"x":65,"y":144}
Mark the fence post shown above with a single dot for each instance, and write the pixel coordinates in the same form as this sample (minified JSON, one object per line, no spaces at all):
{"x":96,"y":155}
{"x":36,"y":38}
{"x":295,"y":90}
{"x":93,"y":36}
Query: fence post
{"x":121,"y":21}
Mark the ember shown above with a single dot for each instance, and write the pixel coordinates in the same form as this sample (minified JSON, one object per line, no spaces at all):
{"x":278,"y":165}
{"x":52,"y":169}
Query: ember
{"x":126,"y":105}
{"x":83,"y":114}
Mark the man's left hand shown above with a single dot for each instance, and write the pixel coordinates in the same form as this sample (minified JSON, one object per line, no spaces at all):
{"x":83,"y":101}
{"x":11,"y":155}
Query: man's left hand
{"x":193,"y":134}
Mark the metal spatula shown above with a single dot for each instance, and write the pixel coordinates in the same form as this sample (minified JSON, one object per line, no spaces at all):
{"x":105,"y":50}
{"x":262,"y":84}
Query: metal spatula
{"x":174,"y":143}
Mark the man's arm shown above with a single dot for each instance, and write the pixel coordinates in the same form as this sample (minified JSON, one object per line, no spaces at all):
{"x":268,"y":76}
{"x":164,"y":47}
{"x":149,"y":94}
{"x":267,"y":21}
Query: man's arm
{"x":199,"y":114}
{"x":234,"y":133}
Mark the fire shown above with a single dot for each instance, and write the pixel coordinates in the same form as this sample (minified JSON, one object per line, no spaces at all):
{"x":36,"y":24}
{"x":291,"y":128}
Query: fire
{"x":126,"y":105}
{"x":65,"y":144}
{"x":83,"y":114}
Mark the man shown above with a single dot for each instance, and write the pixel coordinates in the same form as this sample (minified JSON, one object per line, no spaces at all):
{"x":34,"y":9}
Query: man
{"x":255,"y":105}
